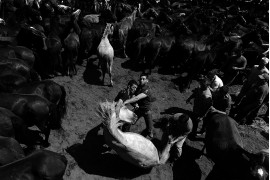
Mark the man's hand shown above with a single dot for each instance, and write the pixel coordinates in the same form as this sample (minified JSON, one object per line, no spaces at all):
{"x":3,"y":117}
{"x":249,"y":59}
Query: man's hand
{"x":172,"y":140}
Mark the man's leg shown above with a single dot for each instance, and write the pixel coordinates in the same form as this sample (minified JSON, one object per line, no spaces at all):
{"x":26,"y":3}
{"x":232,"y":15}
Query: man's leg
{"x":149,"y":123}
{"x":178,"y":147}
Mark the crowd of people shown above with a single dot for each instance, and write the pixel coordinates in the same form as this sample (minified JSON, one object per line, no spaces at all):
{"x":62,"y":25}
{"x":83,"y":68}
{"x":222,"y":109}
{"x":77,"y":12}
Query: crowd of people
{"x":211,"y":92}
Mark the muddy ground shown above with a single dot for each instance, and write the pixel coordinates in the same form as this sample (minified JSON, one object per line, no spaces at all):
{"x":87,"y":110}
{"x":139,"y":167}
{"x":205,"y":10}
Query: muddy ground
{"x":81,"y":141}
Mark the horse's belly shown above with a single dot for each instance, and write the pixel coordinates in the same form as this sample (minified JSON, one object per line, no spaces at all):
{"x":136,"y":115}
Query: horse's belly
{"x":106,"y":50}
{"x":137,"y":150}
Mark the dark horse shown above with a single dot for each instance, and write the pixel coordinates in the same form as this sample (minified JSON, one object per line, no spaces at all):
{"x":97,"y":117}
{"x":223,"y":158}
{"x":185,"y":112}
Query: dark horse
{"x":224,"y":146}
{"x":60,"y":27}
{"x":19,"y":52}
{"x":41,"y":164}
{"x":164,"y":46}
{"x":13,"y":126}
{"x":48,"y":89}
{"x":34,"y":110}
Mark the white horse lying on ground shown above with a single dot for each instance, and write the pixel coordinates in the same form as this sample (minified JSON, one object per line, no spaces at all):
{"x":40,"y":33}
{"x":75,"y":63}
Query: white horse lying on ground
{"x":130,"y":146}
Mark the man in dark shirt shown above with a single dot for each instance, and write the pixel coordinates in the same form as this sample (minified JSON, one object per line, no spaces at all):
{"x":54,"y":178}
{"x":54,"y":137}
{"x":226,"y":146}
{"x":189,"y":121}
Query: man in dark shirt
{"x":222,"y":100}
{"x":233,"y":66}
{"x":128,"y":92}
{"x":253,"y":99}
{"x":144,"y":100}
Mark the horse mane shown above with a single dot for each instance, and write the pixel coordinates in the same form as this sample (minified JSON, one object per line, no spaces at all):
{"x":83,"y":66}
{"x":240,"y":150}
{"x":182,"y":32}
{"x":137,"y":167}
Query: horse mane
{"x":105,"y":110}
{"x":107,"y":28}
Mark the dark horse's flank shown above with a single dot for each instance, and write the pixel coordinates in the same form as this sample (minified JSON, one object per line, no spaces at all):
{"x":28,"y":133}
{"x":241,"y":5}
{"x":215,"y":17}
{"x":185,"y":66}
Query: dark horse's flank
{"x":41,"y":164}
{"x":48,"y":89}
{"x":34,"y":110}
{"x":224,"y":146}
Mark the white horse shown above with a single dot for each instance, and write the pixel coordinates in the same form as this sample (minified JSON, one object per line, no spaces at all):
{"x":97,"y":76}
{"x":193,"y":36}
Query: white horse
{"x":105,"y":53}
{"x":130,"y":146}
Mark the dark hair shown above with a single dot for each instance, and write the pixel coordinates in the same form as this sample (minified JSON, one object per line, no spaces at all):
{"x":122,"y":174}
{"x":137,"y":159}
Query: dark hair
{"x":132,"y":82}
{"x":203,"y":83}
{"x":144,"y":74}
{"x":224,"y":89}
{"x":211,"y":73}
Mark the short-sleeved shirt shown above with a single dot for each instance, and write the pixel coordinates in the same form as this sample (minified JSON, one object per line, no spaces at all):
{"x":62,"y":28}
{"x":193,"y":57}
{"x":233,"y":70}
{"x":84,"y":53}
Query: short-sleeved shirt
{"x":124,"y":95}
{"x":216,"y":83}
{"x":145,"y":103}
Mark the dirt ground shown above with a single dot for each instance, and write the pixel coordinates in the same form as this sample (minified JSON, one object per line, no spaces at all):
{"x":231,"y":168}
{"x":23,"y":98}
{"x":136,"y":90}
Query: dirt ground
{"x":81,"y":141}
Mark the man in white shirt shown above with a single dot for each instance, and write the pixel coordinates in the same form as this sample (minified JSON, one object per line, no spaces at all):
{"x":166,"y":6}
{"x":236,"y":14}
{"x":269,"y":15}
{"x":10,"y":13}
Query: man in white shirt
{"x":214,"y":81}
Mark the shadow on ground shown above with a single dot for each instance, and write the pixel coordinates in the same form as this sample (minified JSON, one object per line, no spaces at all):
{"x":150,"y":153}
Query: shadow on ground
{"x":94,"y":158}
{"x":186,"y":168}
{"x":92,"y":74}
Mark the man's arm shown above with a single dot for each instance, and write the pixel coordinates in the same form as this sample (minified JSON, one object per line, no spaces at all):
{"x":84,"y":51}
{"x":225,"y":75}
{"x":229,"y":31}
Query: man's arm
{"x":135,"y":98}
{"x":165,"y":154}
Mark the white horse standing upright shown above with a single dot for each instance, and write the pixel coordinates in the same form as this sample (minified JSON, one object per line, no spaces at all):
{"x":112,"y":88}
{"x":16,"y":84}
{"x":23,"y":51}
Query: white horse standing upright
{"x":105,"y":53}
{"x":130,"y":146}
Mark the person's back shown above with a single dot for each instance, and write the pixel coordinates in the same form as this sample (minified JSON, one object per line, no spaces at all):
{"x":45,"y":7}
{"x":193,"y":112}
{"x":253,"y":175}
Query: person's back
{"x":202,"y":101}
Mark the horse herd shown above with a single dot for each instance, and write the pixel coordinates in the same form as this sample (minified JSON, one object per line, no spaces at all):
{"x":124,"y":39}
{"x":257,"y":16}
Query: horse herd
{"x":50,"y":39}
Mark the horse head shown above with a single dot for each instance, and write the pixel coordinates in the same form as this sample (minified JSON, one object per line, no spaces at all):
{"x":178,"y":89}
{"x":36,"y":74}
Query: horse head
{"x":116,"y":113}
{"x":109,"y":29}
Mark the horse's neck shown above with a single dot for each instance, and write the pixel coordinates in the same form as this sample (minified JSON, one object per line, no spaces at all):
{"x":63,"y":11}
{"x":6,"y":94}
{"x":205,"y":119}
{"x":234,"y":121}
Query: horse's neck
{"x":115,"y":132}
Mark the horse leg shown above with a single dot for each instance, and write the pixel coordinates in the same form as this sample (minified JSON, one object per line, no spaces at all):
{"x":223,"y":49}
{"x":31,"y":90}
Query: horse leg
{"x":110,"y":63}
{"x":103,"y":66}
{"x":47,"y":134}
{"x":60,"y":64}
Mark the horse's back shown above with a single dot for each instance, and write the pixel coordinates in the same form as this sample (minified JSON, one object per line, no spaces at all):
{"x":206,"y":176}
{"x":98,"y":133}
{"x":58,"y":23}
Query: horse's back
{"x":222,"y":139}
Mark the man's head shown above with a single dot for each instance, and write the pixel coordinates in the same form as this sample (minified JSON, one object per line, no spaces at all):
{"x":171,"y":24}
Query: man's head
{"x":264,"y":61}
{"x":132,"y":85}
{"x":143,"y":78}
{"x":224,"y":90}
{"x":203,"y":83}
{"x":179,"y":123}
{"x":211,"y":75}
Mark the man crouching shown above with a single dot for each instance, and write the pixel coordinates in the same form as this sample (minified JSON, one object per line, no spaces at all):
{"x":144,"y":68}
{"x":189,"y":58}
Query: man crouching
{"x":176,"y":131}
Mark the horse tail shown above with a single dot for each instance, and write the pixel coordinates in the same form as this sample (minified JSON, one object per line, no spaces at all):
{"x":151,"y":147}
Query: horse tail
{"x":62,"y":106}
